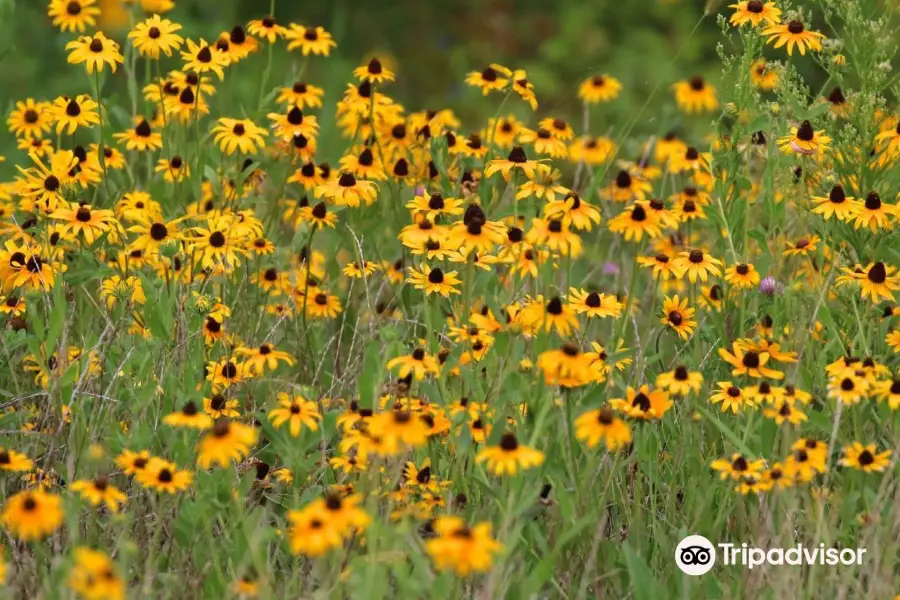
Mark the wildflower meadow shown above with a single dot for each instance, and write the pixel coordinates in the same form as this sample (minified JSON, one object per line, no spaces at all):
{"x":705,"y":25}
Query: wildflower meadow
{"x":286,"y":314}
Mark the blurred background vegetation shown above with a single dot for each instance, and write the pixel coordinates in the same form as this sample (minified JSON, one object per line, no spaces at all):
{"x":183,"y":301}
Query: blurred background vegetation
{"x":430,"y":44}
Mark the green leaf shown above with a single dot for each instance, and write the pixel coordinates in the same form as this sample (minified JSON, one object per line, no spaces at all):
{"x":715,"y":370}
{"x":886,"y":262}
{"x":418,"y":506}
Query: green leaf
{"x":642,"y":579}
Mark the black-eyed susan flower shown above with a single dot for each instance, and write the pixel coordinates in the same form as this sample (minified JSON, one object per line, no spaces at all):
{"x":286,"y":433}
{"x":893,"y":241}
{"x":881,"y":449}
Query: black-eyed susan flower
{"x":11,"y":460}
{"x":174,"y":169}
{"x":94,"y":575}
{"x":321,"y":305}
{"x":556,"y":234}
{"x":141,"y":137}
{"x":695,"y":95}
{"x":493,"y":77}
{"x":543,"y":141}
{"x":696,"y":264}
{"x":266,"y":28}
{"x":302,"y":95}
{"x":509,"y":456}
{"x":398,"y":430}
{"x":95,"y":51}
{"x":475,"y":233}
{"x":517,"y":160}
{"x":544,"y":185}
{"x":431,"y":206}
{"x":200,"y":58}
{"x":163,"y":476}
{"x":30,"y":119}
{"x":754,"y":12}
{"x":156,"y":35}
{"x":189,"y":416}
{"x":678,"y":315}
{"x":886,"y":390}
{"x":72,"y":113}
{"x":878,"y":281}
{"x":690,"y":160}
{"x":309,"y":40}
{"x":374,"y":71}
{"x":227,"y":441}
{"x":460,"y":548}
{"x":866,"y":458}
{"x":73,"y":15}
{"x":849,"y":388}
{"x":783,"y":411}
{"x":546,"y":315}
{"x":594,"y":304}
{"x":643,"y":403}
{"x":591,"y":150}
{"x":567,"y":366}
{"x":318,"y":216}
{"x":599,"y":88}
{"x":803,"y":139}
{"x":737,"y":466}
{"x":99,"y":491}
{"x":803,"y":246}
{"x":522,"y":86}
{"x":764,"y":75}
{"x":85,"y":221}
{"x":794,"y":33}
{"x":873,"y":213}
{"x":293,"y":124}
{"x":808,"y":457}
{"x":419,"y":364}
{"x":219,"y":406}
{"x":434,"y":280}
{"x":634,"y":222}
{"x":347,"y":190}
{"x":680,"y":381}
{"x":742,"y":276}
{"x":32,"y":514}
{"x":131,"y":462}
{"x":836,"y":204}
{"x":749,"y":362}
{"x":581,"y":214}
{"x":241,"y":135}
{"x":603,"y":425}
{"x":297,"y":412}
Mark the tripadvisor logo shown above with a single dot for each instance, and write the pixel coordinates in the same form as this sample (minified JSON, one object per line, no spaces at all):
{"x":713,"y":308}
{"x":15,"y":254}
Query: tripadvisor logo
{"x":696,"y":555}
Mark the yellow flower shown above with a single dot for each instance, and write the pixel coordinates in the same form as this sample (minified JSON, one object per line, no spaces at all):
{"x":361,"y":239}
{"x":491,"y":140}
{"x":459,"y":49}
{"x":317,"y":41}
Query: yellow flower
{"x":96,"y":51}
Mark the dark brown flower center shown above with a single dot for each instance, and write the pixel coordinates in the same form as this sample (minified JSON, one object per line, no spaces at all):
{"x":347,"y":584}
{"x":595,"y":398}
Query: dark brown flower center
{"x":509,"y":443}
{"x":217,"y":239}
{"x":347,"y":180}
{"x":795,"y":27}
{"x":517,"y":155}
{"x":641,"y":401}
{"x":750,"y":360}
{"x":204,"y":55}
{"x":878,"y":273}
{"x":83,"y":214}
{"x":805,"y":132}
